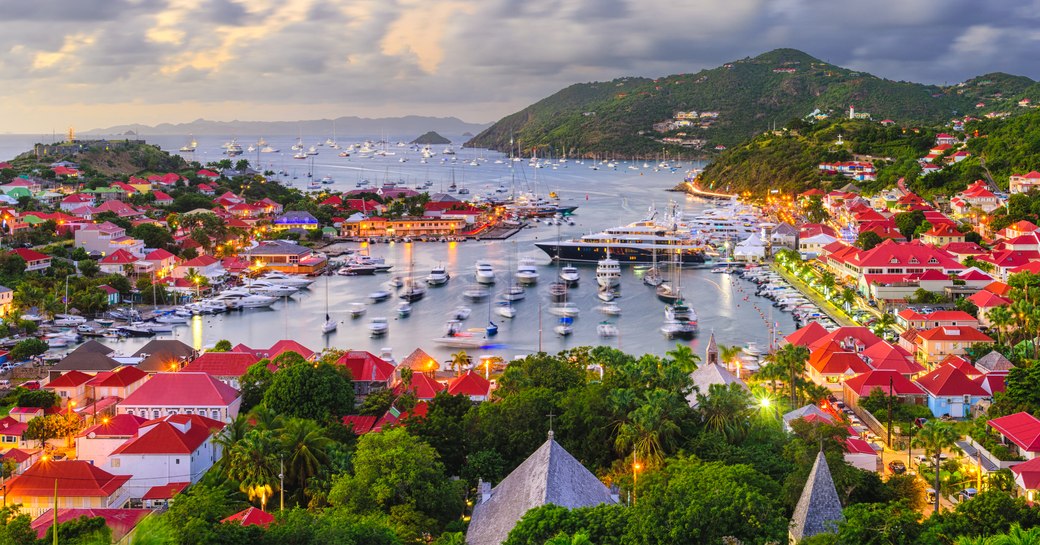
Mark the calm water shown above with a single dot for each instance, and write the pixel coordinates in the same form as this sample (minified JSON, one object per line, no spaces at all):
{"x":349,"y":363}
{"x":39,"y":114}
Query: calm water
{"x":605,"y":198}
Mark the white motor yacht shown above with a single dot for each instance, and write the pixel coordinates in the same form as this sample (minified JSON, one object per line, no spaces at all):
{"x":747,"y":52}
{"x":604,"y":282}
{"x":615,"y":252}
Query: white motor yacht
{"x":607,"y":329}
{"x":263,"y":287}
{"x":527,"y":271}
{"x":608,"y":273}
{"x":610,"y":309}
{"x":356,"y":309}
{"x":68,"y":320}
{"x":569,"y":275}
{"x":285,"y":279}
{"x":438,"y":276}
{"x":485,"y":273}
{"x":378,"y":327}
{"x":569,"y":310}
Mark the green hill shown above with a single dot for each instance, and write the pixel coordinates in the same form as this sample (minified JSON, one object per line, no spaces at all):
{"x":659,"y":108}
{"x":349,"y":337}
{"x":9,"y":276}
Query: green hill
{"x":431,"y":138}
{"x":750,"y":96}
{"x":107,"y":157}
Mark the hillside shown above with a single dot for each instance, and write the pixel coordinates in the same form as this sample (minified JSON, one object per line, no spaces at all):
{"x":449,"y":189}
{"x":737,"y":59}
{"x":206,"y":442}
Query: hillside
{"x":113,"y":159}
{"x":788,"y":160}
{"x":431,"y":138}
{"x":733,"y":102}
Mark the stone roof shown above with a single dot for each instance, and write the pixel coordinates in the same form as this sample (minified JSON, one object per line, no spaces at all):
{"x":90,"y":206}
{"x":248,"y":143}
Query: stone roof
{"x":549,"y":475}
{"x":160,"y":354}
{"x":818,"y":510}
{"x":709,"y":374}
{"x":994,"y":361}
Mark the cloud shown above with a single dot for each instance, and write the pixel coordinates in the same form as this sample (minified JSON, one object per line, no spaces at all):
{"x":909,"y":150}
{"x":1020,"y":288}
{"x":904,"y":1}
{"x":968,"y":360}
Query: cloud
{"x":103,"y":62}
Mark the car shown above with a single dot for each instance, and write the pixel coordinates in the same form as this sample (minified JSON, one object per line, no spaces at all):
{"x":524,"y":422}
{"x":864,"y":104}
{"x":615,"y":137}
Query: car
{"x":967,"y":494}
{"x":839,"y":404}
{"x":897,"y":467}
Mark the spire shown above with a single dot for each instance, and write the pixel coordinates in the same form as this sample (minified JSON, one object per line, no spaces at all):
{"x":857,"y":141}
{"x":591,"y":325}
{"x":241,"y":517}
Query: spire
{"x":818,"y":510}
{"x":711,"y":354}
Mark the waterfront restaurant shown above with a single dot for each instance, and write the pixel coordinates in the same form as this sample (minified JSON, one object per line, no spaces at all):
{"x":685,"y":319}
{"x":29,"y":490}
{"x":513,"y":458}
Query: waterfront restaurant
{"x":287,"y":257}
{"x":359,"y":226}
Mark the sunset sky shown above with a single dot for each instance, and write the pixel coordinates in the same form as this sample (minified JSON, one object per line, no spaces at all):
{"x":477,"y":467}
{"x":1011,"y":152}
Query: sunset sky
{"x":96,"y":63}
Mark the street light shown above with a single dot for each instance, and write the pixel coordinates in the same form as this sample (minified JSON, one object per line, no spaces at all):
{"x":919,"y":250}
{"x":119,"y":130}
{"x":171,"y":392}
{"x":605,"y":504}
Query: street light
{"x":636,"y":468}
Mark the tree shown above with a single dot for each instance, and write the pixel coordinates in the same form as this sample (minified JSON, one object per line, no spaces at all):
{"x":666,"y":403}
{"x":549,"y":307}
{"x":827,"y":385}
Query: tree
{"x":311,"y":391}
{"x":884,"y":323}
{"x":791,"y":360}
{"x":724,"y":409}
{"x":394,"y":473}
{"x":847,"y":296}
{"x":443,"y":429}
{"x":908,"y":222}
{"x":83,"y":530}
{"x":458,"y":362}
{"x":827,"y":281}
{"x":306,"y":450}
{"x":880,"y":524}
{"x":88,"y":267}
{"x":255,"y":383}
{"x":28,"y":348}
{"x":602,"y":524}
{"x":815,"y":211}
{"x":223,"y":345}
{"x":253,"y":463}
{"x":934,"y":437}
{"x":44,"y":399}
{"x":868,"y":239}
{"x":154,"y":236}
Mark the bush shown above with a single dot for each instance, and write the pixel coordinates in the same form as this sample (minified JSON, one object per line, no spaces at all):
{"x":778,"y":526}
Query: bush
{"x":28,"y":348}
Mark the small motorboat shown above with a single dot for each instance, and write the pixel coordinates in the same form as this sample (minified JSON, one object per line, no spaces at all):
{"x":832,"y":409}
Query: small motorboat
{"x":610,"y":309}
{"x":607,"y":329}
{"x":379,"y":296}
{"x":378,"y":327}
{"x":461,"y":313}
{"x":569,"y":275}
{"x":564,"y":328}
{"x":505,"y":310}
{"x":438,"y":276}
{"x":569,"y":310}
{"x":514,"y":293}
{"x":404,"y":309}
{"x":396,"y":282}
{"x":606,"y":295}
{"x":476,"y":294}
{"x":356,"y":309}
{"x":455,"y":337}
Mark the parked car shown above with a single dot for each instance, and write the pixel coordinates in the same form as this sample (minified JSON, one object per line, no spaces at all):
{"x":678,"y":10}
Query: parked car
{"x":966,"y":494}
{"x":897,"y":467}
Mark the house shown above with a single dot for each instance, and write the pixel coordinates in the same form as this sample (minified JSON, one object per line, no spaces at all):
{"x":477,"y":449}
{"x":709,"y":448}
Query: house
{"x":807,"y":335}
{"x":6,"y":301}
{"x":287,"y":257}
{"x":471,"y":385}
{"x":97,"y":237}
{"x":808,"y":413}
{"x":118,"y":262}
{"x":420,"y":362}
{"x":859,"y":454}
{"x":90,"y":357}
{"x":370,"y":373}
{"x":111,"y":294}
{"x":809,"y":247}
{"x":1020,"y":432}
{"x":942,"y":234}
{"x":23,"y":458}
{"x":160,"y":355}
{"x":934,"y":344}
{"x":12,"y":431}
{"x":95,"y":443}
{"x":993,"y":362}
{"x":203,"y":265}
{"x":75,"y":201}
{"x":227,"y":367}
{"x":79,"y":484}
{"x":422,"y":386}
{"x":295,"y":219}
{"x":908,"y":317}
{"x":889,"y":382}
{"x":818,"y":510}
{"x":276,"y":349}
{"x":1024,"y":183}
{"x":549,"y":475}
{"x":160,"y":497}
{"x":34,"y":261}
{"x":885,"y":356}
{"x":162,"y":262}
{"x":122,"y":522}
{"x":183,"y":393}
{"x":1027,"y":478}
{"x":172,"y":449}
{"x":119,"y":383}
{"x":71,"y":387}
{"x":951,"y":392}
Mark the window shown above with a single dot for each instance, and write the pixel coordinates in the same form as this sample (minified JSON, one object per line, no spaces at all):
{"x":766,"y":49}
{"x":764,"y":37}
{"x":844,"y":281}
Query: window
{"x":189,"y":411}
{"x":130,"y":412}
{"x":967,"y":399}
{"x":115,"y":462}
{"x":177,"y":461}
{"x":155,"y":413}
{"x":215,"y":414}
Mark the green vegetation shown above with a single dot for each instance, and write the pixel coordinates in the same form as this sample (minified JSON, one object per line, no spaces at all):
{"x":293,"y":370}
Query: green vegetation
{"x":431,"y":138}
{"x":607,"y":117}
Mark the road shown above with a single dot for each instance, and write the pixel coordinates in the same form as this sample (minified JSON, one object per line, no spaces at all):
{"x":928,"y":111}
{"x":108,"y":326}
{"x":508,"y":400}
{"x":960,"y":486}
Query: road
{"x":826,"y":306}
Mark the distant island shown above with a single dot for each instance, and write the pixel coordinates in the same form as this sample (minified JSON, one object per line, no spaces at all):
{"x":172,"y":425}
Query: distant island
{"x":431,"y":138}
{"x":341,"y":126}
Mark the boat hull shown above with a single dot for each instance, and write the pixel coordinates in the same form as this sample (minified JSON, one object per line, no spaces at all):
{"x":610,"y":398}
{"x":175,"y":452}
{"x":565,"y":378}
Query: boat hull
{"x":624,"y":255}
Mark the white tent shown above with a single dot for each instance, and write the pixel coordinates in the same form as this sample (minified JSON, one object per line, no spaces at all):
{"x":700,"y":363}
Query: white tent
{"x":751,"y":249}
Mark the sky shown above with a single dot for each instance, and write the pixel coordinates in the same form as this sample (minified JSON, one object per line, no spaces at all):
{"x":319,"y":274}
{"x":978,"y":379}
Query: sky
{"x":98,"y":63}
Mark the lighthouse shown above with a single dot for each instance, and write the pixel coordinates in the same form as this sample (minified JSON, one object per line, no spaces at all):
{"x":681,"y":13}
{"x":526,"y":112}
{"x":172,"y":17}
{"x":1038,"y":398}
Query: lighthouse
{"x":852,"y":111}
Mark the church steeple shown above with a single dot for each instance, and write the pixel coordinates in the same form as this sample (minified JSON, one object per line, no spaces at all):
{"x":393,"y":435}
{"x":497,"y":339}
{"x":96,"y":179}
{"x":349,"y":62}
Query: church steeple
{"x":711,"y":354}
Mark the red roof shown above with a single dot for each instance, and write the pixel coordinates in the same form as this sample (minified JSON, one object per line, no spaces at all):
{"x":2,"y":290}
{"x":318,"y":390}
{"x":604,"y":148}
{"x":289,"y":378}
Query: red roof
{"x":29,"y":255}
{"x":182,"y":390}
{"x":70,"y":379}
{"x":944,"y":230}
{"x":365,"y":367}
{"x":118,"y":257}
{"x":158,"y":255}
{"x":992,"y":382}
{"x":19,"y":455}
{"x":849,"y":334}
{"x":174,"y":434}
{"x":469,"y":384}
{"x":1022,"y":429}
{"x":120,"y":378}
{"x":75,"y":478}
{"x":947,"y":381}
{"x":889,"y":357}
{"x":422,"y":386}
{"x":963,"y":248}
{"x":962,"y":364}
{"x":360,"y":425}
{"x":200,"y":261}
{"x":865,"y":383}
{"x":251,"y":516}
{"x":807,"y":335}
{"x":164,"y":491}
{"x":161,"y":196}
{"x":120,"y":521}
{"x":837,"y":363}
{"x":951,"y":333}
{"x":277,"y":349}
{"x":985,"y":299}
{"x":854,"y":445}
{"x":11,"y":427}
{"x":222,"y":364}
{"x":208,"y":173}
{"x":120,"y":425}
{"x":1029,"y":472}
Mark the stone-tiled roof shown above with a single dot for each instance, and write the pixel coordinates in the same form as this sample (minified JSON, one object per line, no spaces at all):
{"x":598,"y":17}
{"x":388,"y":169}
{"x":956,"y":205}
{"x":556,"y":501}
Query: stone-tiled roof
{"x":549,"y":475}
{"x":818,"y":510}
{"x":709,"y":374}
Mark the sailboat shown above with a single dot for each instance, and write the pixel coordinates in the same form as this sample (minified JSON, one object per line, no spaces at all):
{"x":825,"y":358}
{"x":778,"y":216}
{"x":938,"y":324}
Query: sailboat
{"x":680,"y":318}
{"x":190,"y":146}
{"x":652,"y":277}
{"x":665,"y":291}
{"x":331,"y":142}
{"x":330,"y":325}
{"x":413,"y":291}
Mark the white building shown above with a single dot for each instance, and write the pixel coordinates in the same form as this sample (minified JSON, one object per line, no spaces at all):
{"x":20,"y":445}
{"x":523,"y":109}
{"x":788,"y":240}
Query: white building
{"x":183,"y":393}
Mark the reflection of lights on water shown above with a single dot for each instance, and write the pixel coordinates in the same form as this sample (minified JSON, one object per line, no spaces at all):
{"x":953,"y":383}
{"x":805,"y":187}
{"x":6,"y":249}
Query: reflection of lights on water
{"x":196,"y":332}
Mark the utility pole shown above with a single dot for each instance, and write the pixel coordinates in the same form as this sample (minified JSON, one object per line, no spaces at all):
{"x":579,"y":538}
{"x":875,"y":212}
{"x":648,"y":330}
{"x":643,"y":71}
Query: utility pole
{"x":890,"y":412}
{"x":281,"y":484}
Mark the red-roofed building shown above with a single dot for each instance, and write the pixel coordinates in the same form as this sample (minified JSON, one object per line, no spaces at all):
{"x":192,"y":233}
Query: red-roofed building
{"x":1027,"y":477}
{"x":360,"y":425}
{"x":251,"y":516}
{"x":941,"y":234}
{"x":860,"y":454}
{"x":23,"y":458}
{"x":12,"y":432}
{"x":962,"y":365}
{"x":122,"y":522}
{"x":208,"y":174}
{"x":993,"y":383}
{"x":884,"y":356}
{"x":951,"y":392}
{"x":1024,"y":183}
{"x":832,"y":367}
{"x":96,"y":443}
{"x":118,"y":383}
{"x":807,"y":335}
{"x":80,"y":484}
{"x":884,"y":228}
{"x":890,"y":257}
{"x":987,"y":301}
{"x":471,"y":385}
{"x":934,"y":344}
{"x":422,"y":386}
{"x":370,"y":373}
{"x":175,"y":448}
{"x":34,"y":261}
{"x":963,"y":250}
{"x":956,"y":318}
{"x":1004,"y":261}
{"x":161,"y":496}
{"x":117,"y":262}
{"x":65,"y":171}
{"x":277,"y":349}
{"x":1020,"y":432}
{"x":394,"y":418}
{"x":162,"y":262}
{"x":183,"y":393}
{"x":227,"y":367}
{"x":71,"y":386}
{"x":76,"y":201}
{"x":1017,"y":229}
{"x":889,"y":382}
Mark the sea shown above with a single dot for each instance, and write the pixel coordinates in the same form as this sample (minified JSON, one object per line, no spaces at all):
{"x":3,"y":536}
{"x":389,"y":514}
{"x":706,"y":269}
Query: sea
{"x":606,"y":197}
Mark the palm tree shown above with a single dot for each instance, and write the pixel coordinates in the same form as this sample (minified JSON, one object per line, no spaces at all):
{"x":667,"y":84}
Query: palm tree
{"x":1000,"y":318}
{"x":683,"y":355}
{"x":306,"y":449}
{"x":1017,"y":536}
{"x":578,"y":538}
{"x":847,"y":298}
{"x":254,"y":464}
{"x":934,"y":437}
{"x":651,"y":430}
{"x":458,"y":361}
{"x":883,"y":323}
{"x":725,"y":410}
{"x":728,"y":353}
{"x":791,"y":359}
{"x":265,"y":419}
{"x":828,"y":282}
